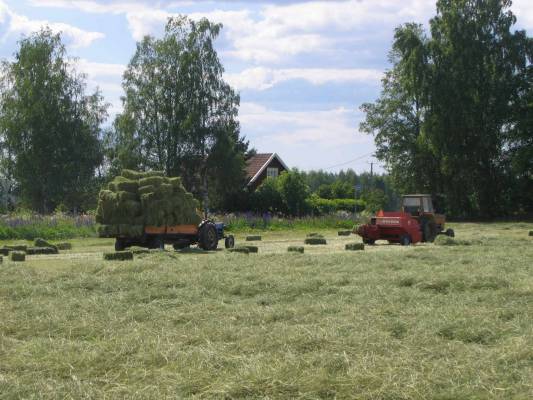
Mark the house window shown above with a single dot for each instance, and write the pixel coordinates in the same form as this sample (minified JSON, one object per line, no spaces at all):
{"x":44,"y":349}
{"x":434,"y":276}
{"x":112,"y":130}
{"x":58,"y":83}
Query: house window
{"x":272,"y":172}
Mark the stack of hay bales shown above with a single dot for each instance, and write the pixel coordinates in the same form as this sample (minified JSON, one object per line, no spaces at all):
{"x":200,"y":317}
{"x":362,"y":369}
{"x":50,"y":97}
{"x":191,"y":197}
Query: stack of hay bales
{"x":138,"y":199}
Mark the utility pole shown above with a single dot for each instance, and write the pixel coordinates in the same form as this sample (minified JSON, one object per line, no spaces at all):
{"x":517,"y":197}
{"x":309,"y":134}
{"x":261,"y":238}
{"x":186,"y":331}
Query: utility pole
{"x":371,"y":175}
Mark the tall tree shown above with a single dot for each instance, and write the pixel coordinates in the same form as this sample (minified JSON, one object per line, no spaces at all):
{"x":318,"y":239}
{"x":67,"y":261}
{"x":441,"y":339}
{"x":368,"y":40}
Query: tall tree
{"x":50,"y":128}
{"x":179,"y":114}
{"x":446,"y":121}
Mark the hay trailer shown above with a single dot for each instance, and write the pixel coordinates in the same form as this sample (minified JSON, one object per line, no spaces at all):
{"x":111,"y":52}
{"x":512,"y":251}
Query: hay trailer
{"x":416,"y":222}
{"x":206,"y":236}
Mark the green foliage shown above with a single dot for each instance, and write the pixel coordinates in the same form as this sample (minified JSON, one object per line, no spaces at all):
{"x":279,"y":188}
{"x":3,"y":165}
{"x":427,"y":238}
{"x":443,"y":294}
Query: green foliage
{"x":179,"y":114}
{"x":454,"y":108}
{"x":294,"y":192}
{"x":49,"y":127}
{"x":375,"y":200}
{"x":267,"y":197}
{"x":321,"y":206}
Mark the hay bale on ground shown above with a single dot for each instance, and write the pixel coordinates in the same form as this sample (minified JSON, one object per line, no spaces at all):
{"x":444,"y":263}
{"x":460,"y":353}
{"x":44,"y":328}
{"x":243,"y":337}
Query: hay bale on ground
{"x":252,"y":238}
{"x":313,"y":241}
{"x":17,"y":247}
{"x":4,"y":251}
{"x":530,"y":233}
{"x":44,"y":244}
{"x":17,"y":256}
{"x":41,"y":250}
{"x":243,"y":250}
{"x":344,"y":233}
{"x":64,"y":246}
{"x":119,"y":256}
{"x":355,"y":246}
{"x":1,"y":259}
{"x":296,"y":249}
{"x":253,"y":249}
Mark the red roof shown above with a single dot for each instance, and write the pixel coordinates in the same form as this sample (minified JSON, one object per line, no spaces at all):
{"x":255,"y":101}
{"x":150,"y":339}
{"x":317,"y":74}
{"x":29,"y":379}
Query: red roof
{"x":254,"y":164}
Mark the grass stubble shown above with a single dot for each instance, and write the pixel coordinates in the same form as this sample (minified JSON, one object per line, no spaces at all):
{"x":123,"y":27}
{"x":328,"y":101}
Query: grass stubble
{"x":440,"y":322}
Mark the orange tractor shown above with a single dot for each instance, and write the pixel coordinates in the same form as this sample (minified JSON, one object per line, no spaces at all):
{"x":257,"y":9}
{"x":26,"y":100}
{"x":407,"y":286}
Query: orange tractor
{"x":416,"y":222}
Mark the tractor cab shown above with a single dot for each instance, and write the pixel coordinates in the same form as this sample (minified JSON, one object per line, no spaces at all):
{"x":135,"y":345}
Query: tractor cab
{"x":417,"y":204}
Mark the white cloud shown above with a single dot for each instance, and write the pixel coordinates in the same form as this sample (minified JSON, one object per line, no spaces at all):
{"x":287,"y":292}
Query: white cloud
{"x":325,"y":128}
{"x":523,"y":9}
{"x":19,"y":24}
{"x":99,"y":70}
{"x":261,"y":78}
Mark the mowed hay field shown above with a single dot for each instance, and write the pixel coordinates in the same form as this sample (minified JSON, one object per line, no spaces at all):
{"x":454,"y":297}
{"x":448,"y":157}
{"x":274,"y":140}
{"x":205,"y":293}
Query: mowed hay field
{"x":423,"y":322}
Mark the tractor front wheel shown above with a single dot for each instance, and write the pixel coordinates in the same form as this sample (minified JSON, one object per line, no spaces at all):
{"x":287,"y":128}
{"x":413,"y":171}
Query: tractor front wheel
{"x":405,"y":240}
{"x":229,"y":242}
{"x":208,"y":237}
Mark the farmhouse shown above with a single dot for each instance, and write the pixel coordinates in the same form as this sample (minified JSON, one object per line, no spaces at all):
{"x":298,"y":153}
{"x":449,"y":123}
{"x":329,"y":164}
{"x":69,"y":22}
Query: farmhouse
{"x":262,"y":166}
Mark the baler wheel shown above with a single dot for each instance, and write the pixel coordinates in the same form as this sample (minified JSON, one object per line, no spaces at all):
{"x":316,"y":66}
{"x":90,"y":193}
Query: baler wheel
{"x":405,"y":240}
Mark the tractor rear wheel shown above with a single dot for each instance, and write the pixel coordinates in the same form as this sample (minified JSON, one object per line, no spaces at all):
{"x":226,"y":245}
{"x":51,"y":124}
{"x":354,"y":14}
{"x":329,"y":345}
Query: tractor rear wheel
{"x":405,"y":240}
{"x":208,"y":237}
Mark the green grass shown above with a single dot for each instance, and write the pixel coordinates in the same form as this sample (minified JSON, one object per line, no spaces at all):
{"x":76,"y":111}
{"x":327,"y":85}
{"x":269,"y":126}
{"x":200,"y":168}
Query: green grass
{"x":392,"y":322}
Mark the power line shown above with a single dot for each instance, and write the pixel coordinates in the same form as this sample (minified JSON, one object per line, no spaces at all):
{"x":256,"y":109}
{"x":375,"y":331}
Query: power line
{"x":349,"y":162}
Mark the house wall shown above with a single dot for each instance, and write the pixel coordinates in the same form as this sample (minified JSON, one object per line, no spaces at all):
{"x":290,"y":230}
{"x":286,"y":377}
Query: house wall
{"x":273,"y":164}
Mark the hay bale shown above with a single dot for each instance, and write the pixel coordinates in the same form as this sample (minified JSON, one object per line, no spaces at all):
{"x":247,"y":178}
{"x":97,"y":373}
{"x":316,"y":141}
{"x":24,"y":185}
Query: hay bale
{"x":530,"y":233}
{"x":119,"y":256}
{"x":296,"y":249}
{"x":354,"y":246}
{"x":41,"y":250}
{"x":1,"y":259}
{"x":252,"y":249}
{"x":314,"y":241}
{"x":243,"y":250}
{"x":132,"y":231}
{"x":151,"y":181}
{"x":344,"y":233}
{"x":253,"y":238}
{"x":17,"y":256}
{"x":146,"y":189}
{"x":64,"y":246}
{"x":17,"y":247}
{"x":136,"y":175}
{"x":4,"y":251}
{"x":44,"y":244}
{"x":123,"y":196}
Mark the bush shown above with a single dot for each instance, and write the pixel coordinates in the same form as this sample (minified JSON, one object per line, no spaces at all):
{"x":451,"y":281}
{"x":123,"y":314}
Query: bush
{"x":355,"y":246}
{"x":321,"y":206}
{"x":119,"y":255}
{"x":296,"y":249}
{"x":17,"y":256}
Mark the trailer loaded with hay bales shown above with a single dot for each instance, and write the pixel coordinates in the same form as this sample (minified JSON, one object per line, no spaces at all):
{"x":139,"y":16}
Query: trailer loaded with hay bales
{"x":150,"y":210}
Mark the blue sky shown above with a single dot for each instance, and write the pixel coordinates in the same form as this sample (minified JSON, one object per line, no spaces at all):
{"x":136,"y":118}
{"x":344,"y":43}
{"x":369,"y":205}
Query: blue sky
{"x":302,"y":68}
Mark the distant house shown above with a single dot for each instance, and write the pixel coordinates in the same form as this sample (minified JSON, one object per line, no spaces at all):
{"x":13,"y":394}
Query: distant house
{"x":262,"y":166}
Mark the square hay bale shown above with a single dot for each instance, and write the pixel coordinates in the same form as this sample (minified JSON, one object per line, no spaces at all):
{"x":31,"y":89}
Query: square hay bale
{"x":132,"y":231}
{"x":44,"y":244}
{"x":123,"y":196}
{"x":314,"y":241}
{"x":530,"y":233}
{"x":121,"y":184}
{"x":296,"y":249}
{"x":17,"y":256}
{"x":147,"y":189}
{"x":136,"y":175}
{"x":4,"y":251}
{"x":119,"y":256}
{"x":64,"y":246}
{"x":41,"y":250}
{"x":253,"y":238}
{"x":243,"y":250}
{"x":355,"y":246}
{"x":252,"y":249}
{"x":344,"y":233}
{"x":1,"y":259}
{"x":151,"y":181}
